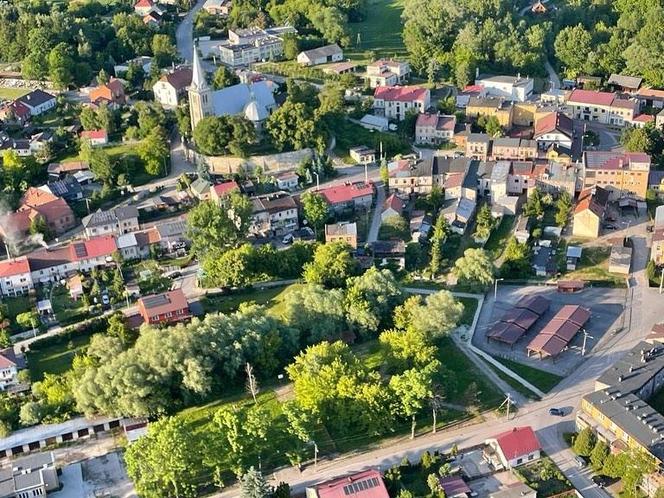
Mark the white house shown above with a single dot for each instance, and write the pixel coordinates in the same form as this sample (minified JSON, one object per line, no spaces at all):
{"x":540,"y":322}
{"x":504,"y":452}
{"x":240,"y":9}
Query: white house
{"x":116,"y":221}
{"x":512,"y":448}
{"x":95,"y":137}
{"x":514,"y":88}
{"x":394,"y":102}
{"x":387,"y":72}
{"x":9,"y":367}
{"x":15,"y":278}
{"x":274,"y":214}
{"x":287,"y":180}
{"x":172,"y":86}
{"x":321,"y":55}
{"x":38,"y":101}
{"x":554,"y":129}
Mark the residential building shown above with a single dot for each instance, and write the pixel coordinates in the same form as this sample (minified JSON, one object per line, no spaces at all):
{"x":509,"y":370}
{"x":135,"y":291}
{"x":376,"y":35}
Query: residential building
{"x":455,"y":487}
{"x":543,"y":262}
{"x":512,"y":88}
{"x":342,"y":232}
{"x":621,"y":173}
{"x":349,"y":196}
{"x":589,"y":212}
{"x":30,"y":476}
{"x":498,"y":180}
{"x":170,"y":235}
{"x":512,"y":448}
{"x":339,"y":68}
{"x":15,"y":278}
{"x":463,"y":97}
{"x":145,"y":7}
{"x":133,"y":245}
{"x":112,"y":93}
{"x":172,"y":86}
{"x":362,"y":154}
{"x":274,"y":214}
{"x":557,"y":177}
{"x":10,"y":364}
{"x":38,"y":102}
{"x":517,"y":149}
{"x":394,"y":102}
{"x":650,"y":97}
{"x":387,"y":72}
{"x":659,"y":120}
{"x":219,"y":8}
{"x":247,"y":46}
{"x":117,"y":221}
{"x":169,"y":307}
{"x":522,"y":230}
{"x":75,"y":287}
{"x":458,"y":213}
{"x":57,"y":171}
{"x":620,"y":259}
{"x":657,"y":249}
{"x":142,"y":61}
{"x":573,"y":256}
{"x":434,"y":129}
{"x":522,"y":177}
{"x":393,"y":206}
{"x":478,"y":146}
{"x":371,"y":122}
{"x":518,"y":490}
{"x":15,"y":112}
{"x":67,"y":188}
{"x":622,"y":83}
{"x":366,"y":484}
{"x":642,"y":120}
{"x":321,"y":55}
{"x":554,"y":128}
{"x":222,"y":190}
{"x":95,"y":137}
{"x":389,"y":251}
{"x":153,"y":19}
{"x":491,"y":106}
{"x":414,"y":176}
{"x":200,"y":189}
{"x":56,"y":212}
{"x":602,"y":107}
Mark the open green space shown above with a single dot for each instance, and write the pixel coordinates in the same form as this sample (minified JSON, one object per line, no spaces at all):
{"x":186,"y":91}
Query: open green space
{"x":545,"y":381}
{"x":499,"y":237}
{"x":594,"y":266}
{"x":12,"y":93}
{"x":469,"y":308}
{"x":56,"y":358}
{"x":514,"y":384}
{"x":15,"y":306}
{"x":349,"y":135}
{"x":227,"y":303}
{"x":66,"y":309}
{"x":380,"y":32}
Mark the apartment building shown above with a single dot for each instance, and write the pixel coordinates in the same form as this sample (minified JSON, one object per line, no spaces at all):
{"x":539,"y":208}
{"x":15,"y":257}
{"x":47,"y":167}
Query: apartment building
{"x":274,"y":214}
{"x":387,"y":72}
{"x":602,"y":107}
{"x":517,"y":149}
{"x":15,"y":278}
{"x":394,"y":102}
{"x":246,"y":46}
{"x":512,"y":88}
{"x":434,"y":128}
{"x":621,"y":173}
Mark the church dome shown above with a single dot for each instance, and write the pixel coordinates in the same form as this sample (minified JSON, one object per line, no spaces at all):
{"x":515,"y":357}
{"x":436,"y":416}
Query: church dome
{"x":253,"y":112}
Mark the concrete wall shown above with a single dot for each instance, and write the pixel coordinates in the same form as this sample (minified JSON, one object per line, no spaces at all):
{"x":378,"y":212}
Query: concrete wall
{"x":226,"y":165}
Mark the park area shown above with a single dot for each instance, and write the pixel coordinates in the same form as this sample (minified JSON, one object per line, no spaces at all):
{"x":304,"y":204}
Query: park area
{"x":379,"y":33}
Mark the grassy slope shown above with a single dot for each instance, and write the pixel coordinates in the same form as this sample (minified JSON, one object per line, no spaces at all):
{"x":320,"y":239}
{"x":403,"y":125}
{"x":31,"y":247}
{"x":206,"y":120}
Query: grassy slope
{"x":380,"y":32}
{"x":544,"y":381}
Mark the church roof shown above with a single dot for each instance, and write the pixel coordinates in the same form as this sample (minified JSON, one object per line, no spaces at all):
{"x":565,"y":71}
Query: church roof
{"x":198,"y":81}
{"x":236,"y":99}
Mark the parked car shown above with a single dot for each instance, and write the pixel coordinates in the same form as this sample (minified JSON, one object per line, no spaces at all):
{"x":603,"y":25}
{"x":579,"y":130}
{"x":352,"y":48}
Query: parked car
{"x":288,"y":239}
{"x":580,"y":461}
{"x":601,"y":481}
{"x":105,"y":300}
{"x":557,"y":412}
{"x":650,"y":228}
{"x":174,"y":275}
{"x":609,"y":226}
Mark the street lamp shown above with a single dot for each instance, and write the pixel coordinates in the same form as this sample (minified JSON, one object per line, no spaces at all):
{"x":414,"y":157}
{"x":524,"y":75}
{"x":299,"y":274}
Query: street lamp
{"x":317,"y":180}
{"x":495,"y":287}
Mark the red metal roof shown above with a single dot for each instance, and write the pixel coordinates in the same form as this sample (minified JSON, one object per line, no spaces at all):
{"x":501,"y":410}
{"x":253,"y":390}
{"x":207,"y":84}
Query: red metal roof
{"x":401,"y":93}
{"x":555,"y":121}
{"x":366,"y":484}
{"x":591,"y":97}
{"x":11,"y":267}
{"x":346,"y":192}
{"x":518,"y":442}
{"x":94,"y":134}
{"x":93,"y":248}
{"x":562,"y":328}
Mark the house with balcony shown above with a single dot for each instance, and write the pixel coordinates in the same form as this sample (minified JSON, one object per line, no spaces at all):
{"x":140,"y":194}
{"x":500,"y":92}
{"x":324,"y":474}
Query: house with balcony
{"x":394,"y":102}
{"x":274,"y":214}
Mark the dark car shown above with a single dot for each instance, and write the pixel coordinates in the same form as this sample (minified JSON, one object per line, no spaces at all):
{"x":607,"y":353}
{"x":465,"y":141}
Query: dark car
{"x":580,"y":461}
{"x":175,"y":274}
{"x":609,"y":226}
{"x":601,"y":481}
{"x":556,"y":412}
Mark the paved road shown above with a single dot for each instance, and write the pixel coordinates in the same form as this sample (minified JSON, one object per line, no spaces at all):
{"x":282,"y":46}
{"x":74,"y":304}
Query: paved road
{"x":376,"y":217}
{"x":184,"y":34}
{"x":554,"y":81}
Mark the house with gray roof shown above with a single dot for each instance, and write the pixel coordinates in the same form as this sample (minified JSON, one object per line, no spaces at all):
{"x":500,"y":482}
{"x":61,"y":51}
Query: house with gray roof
{"x":321,"y":55}
{"x":116,"y":221}
{"x":33,"y":475}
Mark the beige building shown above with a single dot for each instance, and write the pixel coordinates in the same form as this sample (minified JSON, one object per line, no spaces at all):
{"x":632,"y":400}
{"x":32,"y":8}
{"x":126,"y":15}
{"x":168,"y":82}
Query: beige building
{"x":602,"y":107}
{"x":516,"y":149}
{"x":387,"y":72}
{"x":657,"y":249}
{"x":490,"y":106}
{"x":478,"y":146}
{"x":434,"y":129}
{"x":589,"y":212}
{"x":172,"y":86}
{"x":342,"y":232}
{"x":413,"y":176}
{"x":621,"y":173}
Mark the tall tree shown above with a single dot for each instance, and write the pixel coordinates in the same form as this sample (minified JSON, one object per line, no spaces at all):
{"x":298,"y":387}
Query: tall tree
{"x":254,"y":485}
{"x":412,"y":388}
{"x":331,"y":266}
{"x":315,"y":209}
{"x":154,"y":152}
{"x":474,"y":268}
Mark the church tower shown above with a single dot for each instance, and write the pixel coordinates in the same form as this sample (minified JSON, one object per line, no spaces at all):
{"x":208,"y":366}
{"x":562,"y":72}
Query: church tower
{"x":200,"y":93}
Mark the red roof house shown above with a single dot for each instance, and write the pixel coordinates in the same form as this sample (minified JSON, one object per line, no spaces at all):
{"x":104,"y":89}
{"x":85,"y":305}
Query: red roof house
{"x":401,"y":93}
{"x":171,"y":306}
{"x":349,"y":195}
{"x":56,"y":212}
{"x":96,"y":137}
{"x":393,"y":206}
{"x":513,"y":448}
{"x":13,"y":267}
{"x":365,"y":484}
{"x":591,"y":97}
{"x":221,"y":190}
{"x":112,"y":92}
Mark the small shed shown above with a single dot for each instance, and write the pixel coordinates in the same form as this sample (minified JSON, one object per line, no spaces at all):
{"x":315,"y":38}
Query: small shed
{"x":573,"y":257}
{"x":44,"y":307}
{"x":570,"y":286}
{"x":620,"y":260}
{"x":522,"y":231}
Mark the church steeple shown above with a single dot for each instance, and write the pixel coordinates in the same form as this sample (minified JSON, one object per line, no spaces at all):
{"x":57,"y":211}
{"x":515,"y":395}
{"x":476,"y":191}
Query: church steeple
{"x":200,"y":93}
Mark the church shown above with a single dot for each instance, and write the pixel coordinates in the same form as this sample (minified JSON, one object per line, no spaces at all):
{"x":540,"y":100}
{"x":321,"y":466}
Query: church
{"x":255,"y":101}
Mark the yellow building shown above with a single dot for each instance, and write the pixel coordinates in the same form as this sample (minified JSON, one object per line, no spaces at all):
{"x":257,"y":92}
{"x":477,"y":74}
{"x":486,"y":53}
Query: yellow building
{"x":342,"y":232}
{"x":621,"y":173}
{"x":589,"y":212}
{"x":490,"y":106}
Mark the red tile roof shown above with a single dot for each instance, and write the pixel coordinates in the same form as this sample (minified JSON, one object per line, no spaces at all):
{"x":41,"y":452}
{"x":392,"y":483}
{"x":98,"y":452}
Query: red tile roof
{"x":347,"y":192}
{"x":555,"y":121}
{"x":94,"y":248}
{"x":518,"y":442}
{"x":586,"y":201}
{"x":94,"y":134}
{"x":401,"y":93}
{"x":591,"y":97}
{"x":11,"y":267}
{"x":366,"y":484}
{"x":160,"y":304}
{"x":650,"y":92}
{"x":221,"y":189}
{"x":644,"y":118}
{"x":35,"y":197}
{"x":393,"y":202}
{"x":143,"y":3}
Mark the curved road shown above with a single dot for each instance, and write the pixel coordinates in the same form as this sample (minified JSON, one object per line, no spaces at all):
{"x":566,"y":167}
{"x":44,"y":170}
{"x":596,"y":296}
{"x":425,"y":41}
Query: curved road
{"x":184,"y":34}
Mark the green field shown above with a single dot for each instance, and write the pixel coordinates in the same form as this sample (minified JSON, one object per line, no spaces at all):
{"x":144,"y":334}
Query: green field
{"x":12,"y":93}
{"x":544,"y":381}
{"x":380,"y":32}
{"x":55,"y":359}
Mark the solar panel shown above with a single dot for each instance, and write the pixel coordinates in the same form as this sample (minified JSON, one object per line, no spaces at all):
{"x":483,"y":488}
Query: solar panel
{"x":80,"y":250}
{"x":152,"y":301}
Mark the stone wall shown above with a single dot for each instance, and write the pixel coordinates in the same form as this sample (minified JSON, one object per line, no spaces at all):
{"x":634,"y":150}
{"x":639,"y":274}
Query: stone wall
{"x":226,"y":165}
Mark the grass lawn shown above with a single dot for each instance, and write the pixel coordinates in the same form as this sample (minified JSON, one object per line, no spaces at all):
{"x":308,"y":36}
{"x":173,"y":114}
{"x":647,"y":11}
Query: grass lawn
{"x":65,"y":308}
{"x":13,"y":93}
{"x":16,"y":306}
{"x":469,"y":308}
{"x":271,"y":296}
{"x":55,"y":359}
{"x":544,"y":381}
{"x":349,"y":134}
{"x":554,"y":482}
{"x":380,"y":32}
{"x":517,"y":386}
{"x":594,"y":265}
{"x":499,"y":237}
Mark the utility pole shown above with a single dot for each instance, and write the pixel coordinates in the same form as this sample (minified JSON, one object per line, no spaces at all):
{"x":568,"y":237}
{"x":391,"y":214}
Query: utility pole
{"x":586,"y":336}
{"x":495,"y":287}
{"x":317,"y":180}
{"x":508,"y":401}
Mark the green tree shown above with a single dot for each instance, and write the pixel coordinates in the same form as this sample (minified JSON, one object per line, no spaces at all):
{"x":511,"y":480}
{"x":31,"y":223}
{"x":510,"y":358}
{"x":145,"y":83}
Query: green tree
{"x":254,"y":485}
{"x":291,"y":46}
{"x":440,"y":230}
{"x":438,"y":316}
{"x":61,"y":66}
{"x":183,"y":120}
{"x":636,"y":139}
{"x":165,"y":461}
{"x":118,"y":328}
{"x":154,"y":151}
{"x":28,"y":320}
{"x":516,"y":260}
{"x":534,"y":205}
{"x":213,"y":227}
{"x":394,"y":227}
{"x":318,"y":313}
{"x":434,"y":483}
{"x":573,"y":46}
{"x":370,"y":299}
{"x":331,"y":266}
{"x":217,"y":135}
{"x":101,"y":165}
{"x":484,"y":222}
{"x":475,"y":268}
{"x":598,"y":455}
{"x":315,"y":209}
{"x":233,"y":268}
{"x":563,"y":208}
{"x":584,"y":442}
{"x":291,"y":126}
{"x":412,"y":388}
{"x":491,"y":125}
{"x":163,"y":50}
{"x":224,"y":77}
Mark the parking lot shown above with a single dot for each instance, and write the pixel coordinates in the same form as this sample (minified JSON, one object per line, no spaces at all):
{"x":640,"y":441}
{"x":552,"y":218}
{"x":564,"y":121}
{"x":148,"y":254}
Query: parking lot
{"x":606,"y":306}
